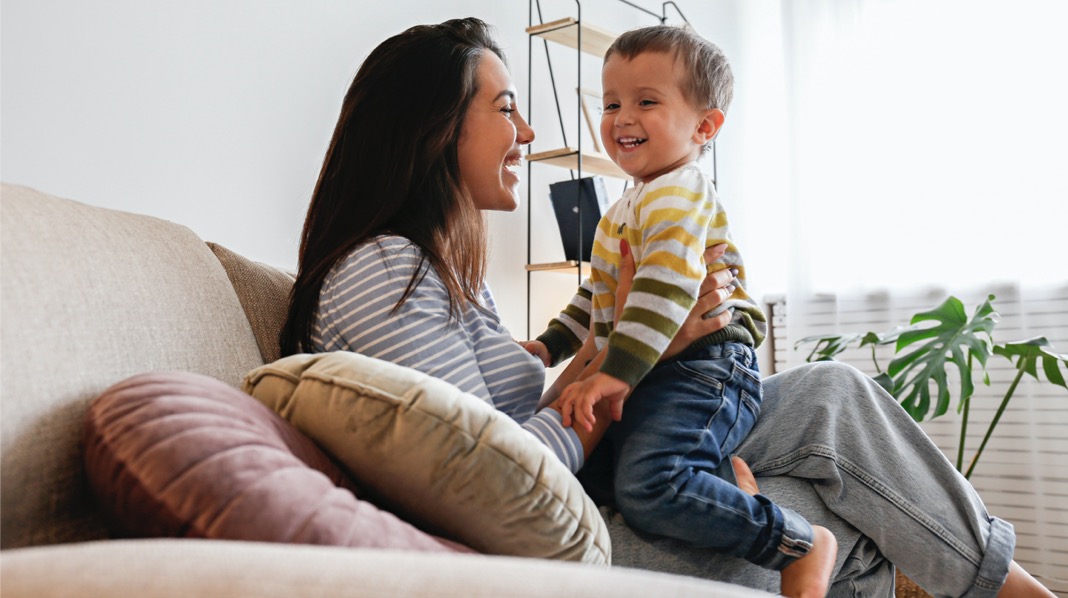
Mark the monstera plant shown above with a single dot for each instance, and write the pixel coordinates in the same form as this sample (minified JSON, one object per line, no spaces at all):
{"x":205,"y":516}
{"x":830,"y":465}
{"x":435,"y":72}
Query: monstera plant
{"x":936,"y":343}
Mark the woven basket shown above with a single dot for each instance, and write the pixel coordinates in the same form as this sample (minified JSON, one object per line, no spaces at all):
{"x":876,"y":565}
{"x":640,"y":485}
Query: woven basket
{"x":906,"y":588}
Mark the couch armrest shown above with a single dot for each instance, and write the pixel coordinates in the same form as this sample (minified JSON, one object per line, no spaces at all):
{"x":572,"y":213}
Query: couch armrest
{"x":157,"y":568}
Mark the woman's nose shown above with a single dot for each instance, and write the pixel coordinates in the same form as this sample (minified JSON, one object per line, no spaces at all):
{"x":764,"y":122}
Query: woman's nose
{"x":524,"y":134}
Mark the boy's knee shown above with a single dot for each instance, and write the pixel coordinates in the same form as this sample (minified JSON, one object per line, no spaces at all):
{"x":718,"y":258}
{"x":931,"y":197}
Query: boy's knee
{"x":644,"y":503}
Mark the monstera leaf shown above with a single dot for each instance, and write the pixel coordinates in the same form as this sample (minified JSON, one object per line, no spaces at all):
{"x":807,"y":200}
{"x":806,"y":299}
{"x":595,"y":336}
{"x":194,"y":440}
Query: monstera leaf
{"x":1027,"y":354}
{"x":950,"y":340}
{"x":875,"y":339}
{"x":827,"y":347}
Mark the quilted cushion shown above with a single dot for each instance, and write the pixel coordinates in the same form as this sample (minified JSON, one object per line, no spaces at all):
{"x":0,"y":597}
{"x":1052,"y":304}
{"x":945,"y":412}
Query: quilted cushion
{"x":185,"y":455}
{"x":439,"y":457}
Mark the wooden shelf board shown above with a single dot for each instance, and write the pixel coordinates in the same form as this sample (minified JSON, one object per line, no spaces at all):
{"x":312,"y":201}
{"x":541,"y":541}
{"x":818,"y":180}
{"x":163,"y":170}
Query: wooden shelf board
{"x":595,"y":40}
{"x":592,"y":163}
{"x":567,"y":267}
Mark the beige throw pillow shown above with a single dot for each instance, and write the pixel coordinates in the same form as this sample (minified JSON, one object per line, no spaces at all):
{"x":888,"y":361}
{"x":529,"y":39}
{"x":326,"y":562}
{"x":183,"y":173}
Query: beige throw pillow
{"x":439,"y":457}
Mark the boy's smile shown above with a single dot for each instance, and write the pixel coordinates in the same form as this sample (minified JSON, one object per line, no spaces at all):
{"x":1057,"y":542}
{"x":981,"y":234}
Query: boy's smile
{"x":629,"y":142}
{"x":649,"y":126}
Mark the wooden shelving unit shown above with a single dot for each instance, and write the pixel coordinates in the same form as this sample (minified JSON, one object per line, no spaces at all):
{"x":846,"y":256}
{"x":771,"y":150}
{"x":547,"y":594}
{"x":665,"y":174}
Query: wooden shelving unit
{"x":595,"y":41}
{"x":583,"y":38}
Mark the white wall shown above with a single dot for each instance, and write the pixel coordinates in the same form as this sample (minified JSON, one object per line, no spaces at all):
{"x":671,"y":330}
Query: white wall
{"x":216,"y":115}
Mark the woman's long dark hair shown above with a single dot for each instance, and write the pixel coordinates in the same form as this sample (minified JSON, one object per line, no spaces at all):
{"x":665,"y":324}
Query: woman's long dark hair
{"x":392,"y":168}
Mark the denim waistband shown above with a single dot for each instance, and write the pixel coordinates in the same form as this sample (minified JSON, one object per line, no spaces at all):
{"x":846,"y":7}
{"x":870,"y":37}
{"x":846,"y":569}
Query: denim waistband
{"x":739,"y":349}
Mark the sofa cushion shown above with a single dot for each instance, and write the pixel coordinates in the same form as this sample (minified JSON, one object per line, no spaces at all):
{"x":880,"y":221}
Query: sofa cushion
{"x":439,"y":457}
{"x":184,"y":568}
{"x":90,"y":297}
{"x":263,"y":291}
{"x":176,"y":454}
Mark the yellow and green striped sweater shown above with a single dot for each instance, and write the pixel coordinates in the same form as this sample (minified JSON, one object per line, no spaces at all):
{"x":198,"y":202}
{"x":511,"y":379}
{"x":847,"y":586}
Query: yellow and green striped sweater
{"x":668,"y":223}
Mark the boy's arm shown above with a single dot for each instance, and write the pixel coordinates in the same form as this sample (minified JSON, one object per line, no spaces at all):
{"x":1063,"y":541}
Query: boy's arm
{"x":580,"y":366}
{"x":567,"y":331}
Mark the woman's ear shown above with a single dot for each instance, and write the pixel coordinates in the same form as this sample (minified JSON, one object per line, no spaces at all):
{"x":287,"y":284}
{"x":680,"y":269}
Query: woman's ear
{"x":708,"y":126}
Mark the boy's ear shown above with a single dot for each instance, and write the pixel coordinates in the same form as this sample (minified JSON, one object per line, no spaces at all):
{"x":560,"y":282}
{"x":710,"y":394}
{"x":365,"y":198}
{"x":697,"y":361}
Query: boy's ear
{"x":708,"y":126}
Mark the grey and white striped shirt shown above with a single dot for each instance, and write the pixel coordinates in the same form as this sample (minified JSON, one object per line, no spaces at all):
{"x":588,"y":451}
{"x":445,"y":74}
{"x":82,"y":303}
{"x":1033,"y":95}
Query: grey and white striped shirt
{"x":473,"y":351}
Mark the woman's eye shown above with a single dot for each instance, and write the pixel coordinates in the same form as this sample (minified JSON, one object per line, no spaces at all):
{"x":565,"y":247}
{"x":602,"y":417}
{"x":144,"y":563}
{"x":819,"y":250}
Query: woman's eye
{"x":508,"y":110}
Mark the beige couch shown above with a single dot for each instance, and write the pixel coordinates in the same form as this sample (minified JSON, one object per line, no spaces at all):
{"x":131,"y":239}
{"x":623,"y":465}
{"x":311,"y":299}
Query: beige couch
{"x":91,"y":296}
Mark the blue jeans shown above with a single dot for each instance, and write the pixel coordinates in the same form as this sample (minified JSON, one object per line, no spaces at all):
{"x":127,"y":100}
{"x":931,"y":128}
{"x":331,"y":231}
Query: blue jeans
{"x":672,"y":452}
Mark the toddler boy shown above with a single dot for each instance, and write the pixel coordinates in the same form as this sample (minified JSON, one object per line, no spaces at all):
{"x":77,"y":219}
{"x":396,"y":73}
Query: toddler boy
{"x":665,"y":93}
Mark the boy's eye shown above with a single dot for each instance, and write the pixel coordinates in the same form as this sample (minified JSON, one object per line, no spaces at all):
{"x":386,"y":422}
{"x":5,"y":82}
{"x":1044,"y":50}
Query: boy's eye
{"x":611,"y":106}
{"x":647,"y":103}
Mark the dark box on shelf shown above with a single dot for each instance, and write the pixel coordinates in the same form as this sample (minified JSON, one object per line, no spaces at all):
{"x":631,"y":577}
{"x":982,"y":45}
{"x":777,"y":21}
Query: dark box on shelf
{"x":567,"y":197}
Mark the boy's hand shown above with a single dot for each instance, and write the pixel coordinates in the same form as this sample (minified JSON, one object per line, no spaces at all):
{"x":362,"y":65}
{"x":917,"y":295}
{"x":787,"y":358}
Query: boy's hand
{"x":539,"y":350}
{"x":578,"y":399}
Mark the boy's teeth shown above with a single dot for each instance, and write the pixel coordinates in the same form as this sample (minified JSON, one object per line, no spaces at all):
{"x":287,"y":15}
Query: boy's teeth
{"x":630,"y":141}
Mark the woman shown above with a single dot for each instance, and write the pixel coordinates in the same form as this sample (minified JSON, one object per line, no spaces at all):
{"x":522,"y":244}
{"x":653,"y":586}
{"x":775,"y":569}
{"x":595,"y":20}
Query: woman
{"x":392,"y":265}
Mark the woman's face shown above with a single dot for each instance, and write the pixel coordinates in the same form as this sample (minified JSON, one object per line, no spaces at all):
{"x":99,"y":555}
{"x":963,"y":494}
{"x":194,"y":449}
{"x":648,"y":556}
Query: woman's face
{"x":491,"y":137}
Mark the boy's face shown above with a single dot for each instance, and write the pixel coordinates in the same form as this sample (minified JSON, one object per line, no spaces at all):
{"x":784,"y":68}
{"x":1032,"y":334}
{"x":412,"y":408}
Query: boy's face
{"x":649,"y":126}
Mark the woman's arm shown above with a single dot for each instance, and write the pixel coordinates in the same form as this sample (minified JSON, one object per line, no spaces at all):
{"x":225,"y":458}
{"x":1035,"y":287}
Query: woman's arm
{"x":358,"y":311}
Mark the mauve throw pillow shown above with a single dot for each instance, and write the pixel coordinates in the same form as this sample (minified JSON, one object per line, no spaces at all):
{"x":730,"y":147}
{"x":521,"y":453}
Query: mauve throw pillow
{"x":178,"y":454}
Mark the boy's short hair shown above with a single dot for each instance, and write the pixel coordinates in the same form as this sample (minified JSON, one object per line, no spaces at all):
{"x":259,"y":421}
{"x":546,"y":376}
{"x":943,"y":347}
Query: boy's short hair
{"x":710,"y":83}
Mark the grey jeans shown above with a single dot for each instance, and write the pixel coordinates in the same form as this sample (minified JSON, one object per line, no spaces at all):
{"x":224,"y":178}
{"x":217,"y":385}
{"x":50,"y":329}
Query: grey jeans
{"x":835,"y":447}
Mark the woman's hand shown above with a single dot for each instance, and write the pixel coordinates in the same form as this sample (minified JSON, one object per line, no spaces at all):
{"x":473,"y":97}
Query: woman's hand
{"x":714,"y":290}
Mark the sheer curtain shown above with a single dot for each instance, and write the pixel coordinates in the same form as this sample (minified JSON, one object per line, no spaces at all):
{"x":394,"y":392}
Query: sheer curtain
{"x":905,"y":143}
{"x":899,"y":145}
{"x":902,"y":151}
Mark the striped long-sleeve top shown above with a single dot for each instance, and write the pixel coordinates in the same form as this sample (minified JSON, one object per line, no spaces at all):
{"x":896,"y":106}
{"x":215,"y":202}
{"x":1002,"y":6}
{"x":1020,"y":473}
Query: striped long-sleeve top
{"x":473,"y":351}
{"x":668,"y":223}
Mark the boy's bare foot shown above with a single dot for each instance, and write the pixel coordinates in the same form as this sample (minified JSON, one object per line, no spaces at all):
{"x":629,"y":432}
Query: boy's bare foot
{"x":810,"y":575}
{"x":746,"y":479}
